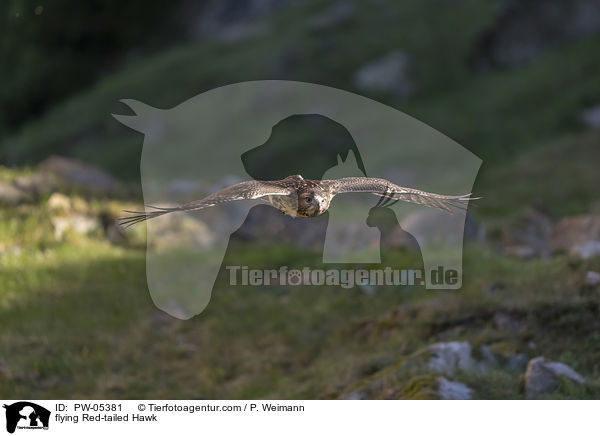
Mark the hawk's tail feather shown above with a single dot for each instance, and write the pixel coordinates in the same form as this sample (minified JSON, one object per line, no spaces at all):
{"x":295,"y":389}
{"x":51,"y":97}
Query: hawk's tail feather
{"x":138,"y":216}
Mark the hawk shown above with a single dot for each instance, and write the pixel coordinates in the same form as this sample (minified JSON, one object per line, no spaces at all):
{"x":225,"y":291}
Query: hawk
{"x":302,"y":198}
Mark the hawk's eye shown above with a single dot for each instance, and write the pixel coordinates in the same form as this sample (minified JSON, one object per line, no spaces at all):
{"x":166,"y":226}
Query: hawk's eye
{"x":308,"y":199}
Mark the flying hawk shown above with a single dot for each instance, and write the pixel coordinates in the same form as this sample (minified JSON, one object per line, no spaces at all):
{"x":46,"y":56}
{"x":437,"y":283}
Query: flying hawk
{"x":298,"y":197}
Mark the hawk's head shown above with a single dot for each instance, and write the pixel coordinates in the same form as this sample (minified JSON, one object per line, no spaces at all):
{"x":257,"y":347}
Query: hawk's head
{"x":312,"y":202}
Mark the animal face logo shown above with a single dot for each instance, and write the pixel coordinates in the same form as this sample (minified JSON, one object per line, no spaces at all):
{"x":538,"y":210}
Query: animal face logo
{"x":236,"y":133}
{"x":26,"y":415}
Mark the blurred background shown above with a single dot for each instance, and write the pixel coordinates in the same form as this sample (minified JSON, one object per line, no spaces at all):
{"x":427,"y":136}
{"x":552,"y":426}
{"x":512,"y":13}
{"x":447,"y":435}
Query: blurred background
{"x":515,"y":82}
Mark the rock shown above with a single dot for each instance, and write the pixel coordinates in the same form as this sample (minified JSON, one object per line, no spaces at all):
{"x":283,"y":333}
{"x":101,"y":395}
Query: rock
{"x":451,"y":390}
{"x":11,"y":194}
{"x":354,"y":395}
{"x":539,"y":379}
{"x":516,"y":362}
{"x":10,"y":250}
{"x":591,"y":117}
{"x":58,"y":201}
{"x":521,"y":251}
{"x":242,"y":32}
{"x":180,"y":230}
{"x":212,"y":18}
{"x":488,"y":357}
{"x":448,"y":357}
{"x":76,"y":175}
{"x":36,"y":184}
{"x":496,"y":287}
{"x":527,"y":237}
{"x":579,"y":236}
{"x":586,"y":250}
{"x":507,"y":323}
{"x":386,"y":75}
{"x":70,"y":215}
{"x":335,"y":15}
{"x":562,"y":369}
{"x":543,"y":376}
{"x":524,"y":30}
{"x":592,"y":278}
{"x":75,"y":222}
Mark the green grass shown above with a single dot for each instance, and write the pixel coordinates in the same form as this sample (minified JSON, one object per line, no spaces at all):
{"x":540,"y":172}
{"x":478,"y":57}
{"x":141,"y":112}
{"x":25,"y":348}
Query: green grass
{"x":559,"y":178}
{"x":78,"y":322}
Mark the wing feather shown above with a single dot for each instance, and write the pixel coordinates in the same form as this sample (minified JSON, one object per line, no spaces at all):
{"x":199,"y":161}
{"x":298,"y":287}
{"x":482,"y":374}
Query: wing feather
{"x":385,"y":188}
{"x":249,"y":190}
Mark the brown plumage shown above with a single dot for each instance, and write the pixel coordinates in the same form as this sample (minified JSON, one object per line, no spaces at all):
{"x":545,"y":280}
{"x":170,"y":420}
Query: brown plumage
{"x":298,"y":197}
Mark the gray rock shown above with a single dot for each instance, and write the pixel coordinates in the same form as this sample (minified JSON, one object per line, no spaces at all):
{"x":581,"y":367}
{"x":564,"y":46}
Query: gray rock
{"x":58,"y":202}
{"x":74,"y":222}
{"x":10,"y":250}
{"x":174,"y":231}
{"x":591,"y":117}
{"x":516,"y":362}
{"x":488,"y":357}
{"x":36,"y":184}
{"x":335,"y":15}
{"x":507,"y":323}
{"x":452,"y":390}
{"x":213,"y":18}
{"x":585,"y":250}
{"x":579,"y":236}
{"x":448,"y":357}
{"x":521,"y":251}
{"x":527,"y":237}
{"x":562,"y":369}
{"x":242,"y":32}
{"x":388,"y":74}
{"x":543,"y":376}
{"x":12,"y":195}
{"x":524,"y":30}
{"x":355,"y":395}
{"x":71,"y":215}
{"x":77,"y":175}
{"x":592,"y":278}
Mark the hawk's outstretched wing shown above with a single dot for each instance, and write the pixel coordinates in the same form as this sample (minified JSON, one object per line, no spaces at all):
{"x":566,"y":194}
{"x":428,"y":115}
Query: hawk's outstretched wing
{"x":242,"y":191}
{"x":385,"y":188}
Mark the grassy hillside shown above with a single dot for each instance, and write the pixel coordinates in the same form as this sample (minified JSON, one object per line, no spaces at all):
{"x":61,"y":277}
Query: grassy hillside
{"x":77,"y":317}
{"x":78,"y":323}
{"x":82,"y":303}
{"x":483,"y":110}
